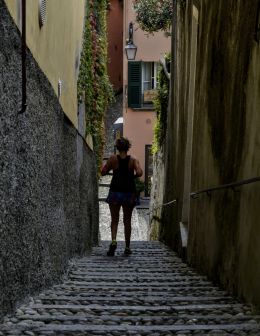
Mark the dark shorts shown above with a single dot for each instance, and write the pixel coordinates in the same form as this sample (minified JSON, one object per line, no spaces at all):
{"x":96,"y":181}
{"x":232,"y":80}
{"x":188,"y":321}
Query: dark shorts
{"x":121,"y":198}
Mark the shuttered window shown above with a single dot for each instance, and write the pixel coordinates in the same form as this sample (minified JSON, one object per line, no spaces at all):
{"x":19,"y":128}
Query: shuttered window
{"x":134,"y":84}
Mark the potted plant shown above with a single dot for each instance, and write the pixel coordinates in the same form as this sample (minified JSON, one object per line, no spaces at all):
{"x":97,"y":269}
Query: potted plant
{"x":140,"y":186}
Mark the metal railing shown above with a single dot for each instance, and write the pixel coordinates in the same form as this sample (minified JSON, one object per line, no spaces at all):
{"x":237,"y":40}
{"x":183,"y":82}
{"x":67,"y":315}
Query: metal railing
{"x":232,"y":185}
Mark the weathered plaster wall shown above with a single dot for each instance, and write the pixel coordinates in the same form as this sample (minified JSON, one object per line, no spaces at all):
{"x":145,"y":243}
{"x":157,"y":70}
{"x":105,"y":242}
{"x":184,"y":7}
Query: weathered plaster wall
{"x":224,"y":230}
{"x":174,"y":156}
{"x":156,"y":197}
{"x":48,"y":186}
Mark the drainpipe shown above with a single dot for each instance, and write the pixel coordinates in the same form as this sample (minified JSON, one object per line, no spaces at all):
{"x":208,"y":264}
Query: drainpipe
{"x":174,"y":45}
{"x":173,"y":93}
{"x":24,"y":105}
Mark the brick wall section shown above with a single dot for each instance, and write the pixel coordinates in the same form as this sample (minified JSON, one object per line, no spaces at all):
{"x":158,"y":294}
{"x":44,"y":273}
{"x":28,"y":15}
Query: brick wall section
{"x":48,"y":186}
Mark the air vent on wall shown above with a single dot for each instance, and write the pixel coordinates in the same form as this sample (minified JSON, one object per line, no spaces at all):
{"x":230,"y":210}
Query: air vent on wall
{"x":42,"y":12}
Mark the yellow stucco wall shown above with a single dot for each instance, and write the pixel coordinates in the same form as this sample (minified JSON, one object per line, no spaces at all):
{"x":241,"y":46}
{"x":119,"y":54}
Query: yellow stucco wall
{"x":56,"y":46}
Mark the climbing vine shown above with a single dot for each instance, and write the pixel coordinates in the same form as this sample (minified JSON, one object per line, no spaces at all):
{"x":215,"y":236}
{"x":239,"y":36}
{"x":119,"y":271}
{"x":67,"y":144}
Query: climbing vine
{"x":161,"y":107}
{"x":94,"y":87}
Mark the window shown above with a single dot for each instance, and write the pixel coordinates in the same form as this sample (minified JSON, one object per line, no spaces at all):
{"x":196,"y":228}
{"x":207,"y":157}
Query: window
{"x":149,"y":81}
{"x":142,"y":83}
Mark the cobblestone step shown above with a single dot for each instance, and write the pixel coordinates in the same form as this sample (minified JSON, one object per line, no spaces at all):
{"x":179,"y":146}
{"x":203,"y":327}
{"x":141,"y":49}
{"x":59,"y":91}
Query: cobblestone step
{"x":152,"y":292}
{"x":145,"y":319}
{"x":148,"y":283}
{"x":88,"y":329}
{"x":138,"y":291}
{"x":140,"y":299}
{"x":138,"y":278}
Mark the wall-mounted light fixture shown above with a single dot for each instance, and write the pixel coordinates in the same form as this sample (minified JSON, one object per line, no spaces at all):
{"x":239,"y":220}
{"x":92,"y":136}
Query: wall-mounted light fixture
{"x":130,"y":48}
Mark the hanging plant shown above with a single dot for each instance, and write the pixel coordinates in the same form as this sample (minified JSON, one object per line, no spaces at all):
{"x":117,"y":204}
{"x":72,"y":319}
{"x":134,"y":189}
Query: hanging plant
{"x":154,"y":15}
{"x":94,"y":87}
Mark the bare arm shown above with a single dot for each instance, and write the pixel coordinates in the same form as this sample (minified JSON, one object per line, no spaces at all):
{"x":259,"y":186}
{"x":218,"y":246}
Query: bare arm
{"x":110,"y":164}
{"x":137,"y":168}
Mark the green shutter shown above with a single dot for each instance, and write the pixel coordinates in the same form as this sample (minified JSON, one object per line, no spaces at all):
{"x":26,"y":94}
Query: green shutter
{"x":134,"y":84}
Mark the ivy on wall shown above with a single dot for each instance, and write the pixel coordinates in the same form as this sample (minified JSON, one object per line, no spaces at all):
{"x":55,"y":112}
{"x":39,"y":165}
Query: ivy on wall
{"x":161,"y":107}
{"x":94,"y":87}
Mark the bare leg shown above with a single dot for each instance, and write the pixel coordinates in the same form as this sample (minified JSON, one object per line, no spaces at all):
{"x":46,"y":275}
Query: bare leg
{"x":114,"y":211}
{"x":127,"y":211}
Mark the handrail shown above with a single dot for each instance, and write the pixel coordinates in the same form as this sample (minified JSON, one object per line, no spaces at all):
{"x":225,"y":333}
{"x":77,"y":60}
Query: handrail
{"x":174,"y":201}
{"x":225,"y":186}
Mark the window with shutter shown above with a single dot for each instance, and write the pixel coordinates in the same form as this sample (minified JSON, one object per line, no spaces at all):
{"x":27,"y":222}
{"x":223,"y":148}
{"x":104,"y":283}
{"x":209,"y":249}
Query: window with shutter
{"x":134,"y":84}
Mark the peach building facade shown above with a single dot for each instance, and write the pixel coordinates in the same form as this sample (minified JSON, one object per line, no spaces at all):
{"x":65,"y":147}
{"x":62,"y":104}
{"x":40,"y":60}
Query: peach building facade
{"x":139,"y":80}
{"x":115,"y":43}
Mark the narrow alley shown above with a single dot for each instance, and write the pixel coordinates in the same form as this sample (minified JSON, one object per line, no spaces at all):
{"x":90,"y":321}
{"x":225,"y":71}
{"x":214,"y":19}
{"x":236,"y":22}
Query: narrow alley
{"x":173,"y":86}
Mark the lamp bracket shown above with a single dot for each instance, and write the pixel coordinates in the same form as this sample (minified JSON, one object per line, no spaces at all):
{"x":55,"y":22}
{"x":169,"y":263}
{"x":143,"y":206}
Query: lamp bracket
{"x":130,"y":32}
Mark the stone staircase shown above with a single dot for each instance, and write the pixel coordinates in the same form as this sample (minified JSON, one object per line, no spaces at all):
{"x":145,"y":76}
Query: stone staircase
{"x":152,"y":292}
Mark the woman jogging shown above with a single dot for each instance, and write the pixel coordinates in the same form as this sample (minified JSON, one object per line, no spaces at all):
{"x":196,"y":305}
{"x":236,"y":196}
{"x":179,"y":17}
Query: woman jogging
{"x":122,"y":191}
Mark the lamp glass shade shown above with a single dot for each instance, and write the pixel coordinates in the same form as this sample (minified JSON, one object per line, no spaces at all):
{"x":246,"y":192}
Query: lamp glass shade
{"x":130,"y":50}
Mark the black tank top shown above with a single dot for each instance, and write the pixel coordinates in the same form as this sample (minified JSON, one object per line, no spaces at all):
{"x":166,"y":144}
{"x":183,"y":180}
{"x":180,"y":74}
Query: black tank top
{"x":123,"y":179}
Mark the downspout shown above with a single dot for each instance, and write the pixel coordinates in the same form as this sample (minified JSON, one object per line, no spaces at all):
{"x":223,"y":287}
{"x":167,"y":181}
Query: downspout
{"x":174,"y":44}
{"x":173,"y":91}
{"x":24,"y":98}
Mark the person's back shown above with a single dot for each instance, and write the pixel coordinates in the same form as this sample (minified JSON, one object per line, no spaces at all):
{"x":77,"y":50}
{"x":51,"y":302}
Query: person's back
{"x":123,"y":176}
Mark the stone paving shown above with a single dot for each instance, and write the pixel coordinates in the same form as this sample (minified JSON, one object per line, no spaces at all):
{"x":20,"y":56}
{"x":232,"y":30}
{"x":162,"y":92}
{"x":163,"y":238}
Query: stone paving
{"x":152,"y":292}
{"x":140,"y":218}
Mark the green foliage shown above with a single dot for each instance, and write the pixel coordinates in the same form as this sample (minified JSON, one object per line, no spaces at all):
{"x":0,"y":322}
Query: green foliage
{"x":94,"y":87}
{"x":154,"y":15}
{"x":161,"y":107}
{"x":140,"y":186}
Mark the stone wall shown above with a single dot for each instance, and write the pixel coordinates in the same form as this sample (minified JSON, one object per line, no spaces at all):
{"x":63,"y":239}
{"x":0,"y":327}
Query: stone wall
{"x":156,"y":198}
{"x":48,"y":185}
{"x":224,"y":230}
{"x":114,"y":111}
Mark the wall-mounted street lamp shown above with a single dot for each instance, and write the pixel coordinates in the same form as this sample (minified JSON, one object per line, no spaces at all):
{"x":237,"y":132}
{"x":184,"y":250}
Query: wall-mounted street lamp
{"x":130,"y":48}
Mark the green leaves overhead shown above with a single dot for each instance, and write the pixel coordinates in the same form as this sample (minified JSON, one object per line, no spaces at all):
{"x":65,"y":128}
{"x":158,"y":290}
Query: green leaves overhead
{"x":154,"y":15}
